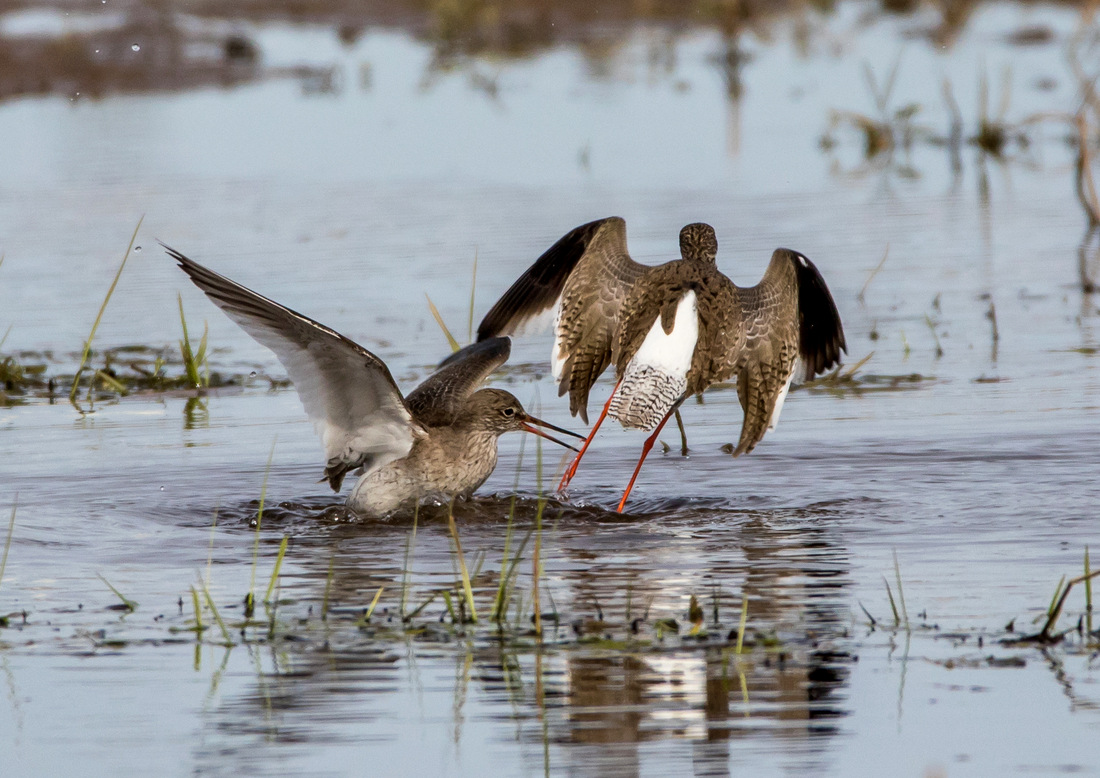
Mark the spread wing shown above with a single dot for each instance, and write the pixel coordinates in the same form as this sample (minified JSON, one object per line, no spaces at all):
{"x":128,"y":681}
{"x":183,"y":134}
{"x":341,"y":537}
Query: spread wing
{"x":789,"y":316}
{"x":821,"y":335}
{"x":348,"y":392}
{"x":436,"y":402}
{"x":586,"y":275}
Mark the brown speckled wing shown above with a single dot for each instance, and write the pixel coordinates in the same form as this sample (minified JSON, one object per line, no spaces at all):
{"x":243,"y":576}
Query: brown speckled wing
{"x":788,"y":316}
{"x":588,"y":273}
{"x":436,"y":402}
{"x":766,"y":358}
{"x":540,"y":286}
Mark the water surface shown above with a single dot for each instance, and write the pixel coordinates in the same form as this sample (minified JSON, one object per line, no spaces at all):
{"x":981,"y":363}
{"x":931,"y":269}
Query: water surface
{"x":349,"y":175}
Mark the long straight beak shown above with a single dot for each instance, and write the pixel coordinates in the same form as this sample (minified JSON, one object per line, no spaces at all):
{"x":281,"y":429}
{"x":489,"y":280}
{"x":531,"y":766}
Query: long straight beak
{"x":529,"y":423}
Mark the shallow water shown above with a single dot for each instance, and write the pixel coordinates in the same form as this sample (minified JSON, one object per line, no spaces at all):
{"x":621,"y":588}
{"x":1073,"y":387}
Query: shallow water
{"x":975,"y":466}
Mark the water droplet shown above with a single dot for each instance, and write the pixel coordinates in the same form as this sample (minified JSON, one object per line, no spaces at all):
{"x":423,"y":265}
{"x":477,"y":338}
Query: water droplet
{"x":97,"y":51}
{"x":252,"y":374}
{"x":162,"y":488}
{"x":135,"y":47}
{"x":136,"y":248}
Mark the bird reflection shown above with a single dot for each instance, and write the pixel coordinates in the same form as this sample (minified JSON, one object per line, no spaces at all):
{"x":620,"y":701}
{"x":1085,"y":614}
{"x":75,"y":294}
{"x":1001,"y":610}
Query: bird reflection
{"x":596,"y":691}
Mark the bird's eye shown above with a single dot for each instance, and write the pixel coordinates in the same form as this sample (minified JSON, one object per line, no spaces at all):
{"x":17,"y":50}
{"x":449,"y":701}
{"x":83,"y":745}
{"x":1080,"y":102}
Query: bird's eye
{"x":509,"y":412}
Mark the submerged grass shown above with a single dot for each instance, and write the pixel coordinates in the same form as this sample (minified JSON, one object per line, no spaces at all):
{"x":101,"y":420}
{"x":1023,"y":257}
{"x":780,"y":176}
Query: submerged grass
{"x":407,"y":566}
{"x":500,"y":603}
{"x":250,"y":598}
{"x":467,"y":588}
{"x":328,"y":587}
{"x":1088,"y":593}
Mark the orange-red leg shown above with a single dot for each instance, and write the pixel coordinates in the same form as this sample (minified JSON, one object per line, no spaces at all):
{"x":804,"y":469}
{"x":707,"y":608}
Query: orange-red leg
{"x":645,"y":452}
{"x":572,"y":469}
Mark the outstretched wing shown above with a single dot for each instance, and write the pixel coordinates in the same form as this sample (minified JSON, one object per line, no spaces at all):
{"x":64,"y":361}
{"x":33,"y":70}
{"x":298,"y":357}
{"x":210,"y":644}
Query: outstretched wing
{"x":348,"y":392}
{"x":436,"y":402}
{"x":821,"y":335}
{"x":790,"y":316}
{"x":586,"y":275}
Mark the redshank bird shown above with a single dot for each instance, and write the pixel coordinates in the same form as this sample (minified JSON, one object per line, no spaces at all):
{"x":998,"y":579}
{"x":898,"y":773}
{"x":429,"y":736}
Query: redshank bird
{"x":672,"y":330}
{"x":439,"y":442}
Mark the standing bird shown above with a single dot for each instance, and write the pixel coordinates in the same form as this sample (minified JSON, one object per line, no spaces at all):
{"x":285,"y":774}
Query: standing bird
{"x":439,"y":442}
{"x":672,"y":330}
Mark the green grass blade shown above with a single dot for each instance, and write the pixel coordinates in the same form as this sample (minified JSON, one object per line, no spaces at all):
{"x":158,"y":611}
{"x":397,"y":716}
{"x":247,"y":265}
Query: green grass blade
{"x":130,"y":604}
{"x":893,"y":606}
{"x":901,"y":592}
{"x":250,"y":600}
{"x":450,"y":606}
{"x":328,"y":587}
{"x":467,"y":588}
{"x":6,"y":333}
{"x":536,"y":557}
{"x":198,"y":614}
{"x":200,"y":355}
{"x":7,"y":541}
{"x":408,"y":559}
{"x":473,"y":290}
{"x":500,"y":603}
{"x":217,"y":616}
{"x":439,"y":320}
{"x":190,"y":366}
{"x":741,"y":625}
{"x":1057,"y":593}
{"x":1088,"y":585}
{"x":95,"y":325}
{"x":374,"y":603}
{"x":110,"y":382}
{"x":275,"y":571}
{"x":420,"y":607}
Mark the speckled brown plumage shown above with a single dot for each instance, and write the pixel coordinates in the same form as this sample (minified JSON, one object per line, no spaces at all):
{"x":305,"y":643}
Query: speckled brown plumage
{"x":608,"y":303}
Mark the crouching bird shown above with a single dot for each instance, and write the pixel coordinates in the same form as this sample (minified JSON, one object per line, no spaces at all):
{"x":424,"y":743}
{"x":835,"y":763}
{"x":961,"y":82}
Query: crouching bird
{"x":437,"y":443}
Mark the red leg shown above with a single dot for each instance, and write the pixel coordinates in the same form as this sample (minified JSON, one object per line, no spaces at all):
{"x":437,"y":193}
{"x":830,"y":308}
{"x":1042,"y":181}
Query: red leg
{"x":572,"y":469}
{"x":645,"y":452}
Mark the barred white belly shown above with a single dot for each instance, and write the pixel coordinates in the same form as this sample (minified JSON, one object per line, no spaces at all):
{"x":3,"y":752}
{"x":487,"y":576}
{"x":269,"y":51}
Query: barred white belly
{"x":645,"y":396}
{"x":656,"y":377}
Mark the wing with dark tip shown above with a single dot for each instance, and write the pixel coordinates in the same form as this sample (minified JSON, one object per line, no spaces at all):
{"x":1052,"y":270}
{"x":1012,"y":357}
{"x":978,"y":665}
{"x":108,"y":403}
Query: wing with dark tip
{"x":821,"y":335}
{"x":436,"y":402}
{"x":538,"y":289}
{"x":587,"y":275}
{"x":789,"y":316}
{"x":348,"y":392}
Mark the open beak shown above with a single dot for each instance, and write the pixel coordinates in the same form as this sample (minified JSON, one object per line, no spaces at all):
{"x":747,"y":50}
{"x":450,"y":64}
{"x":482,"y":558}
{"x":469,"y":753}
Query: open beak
{"x":531,"y":424}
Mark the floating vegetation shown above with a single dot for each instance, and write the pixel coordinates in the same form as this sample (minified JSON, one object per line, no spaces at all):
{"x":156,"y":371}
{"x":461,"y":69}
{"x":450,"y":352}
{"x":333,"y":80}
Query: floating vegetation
{"x":28,"y":376}
{"x":891,"y":129}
